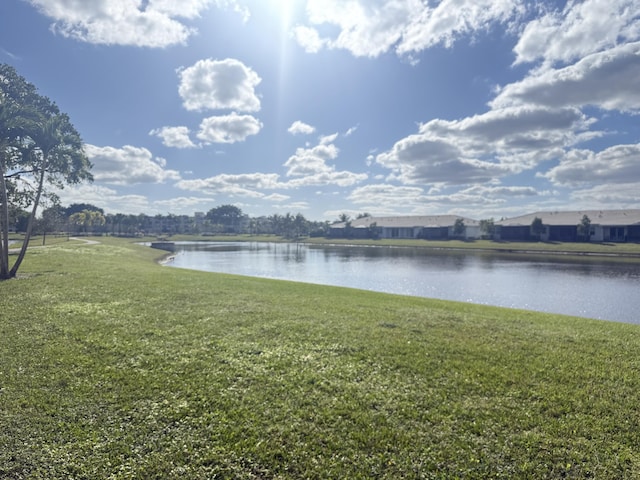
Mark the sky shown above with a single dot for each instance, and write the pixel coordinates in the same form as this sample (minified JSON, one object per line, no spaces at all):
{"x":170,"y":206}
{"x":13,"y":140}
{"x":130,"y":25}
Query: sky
{"x":479,"y":108}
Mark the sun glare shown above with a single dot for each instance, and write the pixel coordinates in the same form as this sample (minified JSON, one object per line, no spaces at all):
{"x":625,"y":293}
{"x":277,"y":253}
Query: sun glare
{"x":284,"y":9}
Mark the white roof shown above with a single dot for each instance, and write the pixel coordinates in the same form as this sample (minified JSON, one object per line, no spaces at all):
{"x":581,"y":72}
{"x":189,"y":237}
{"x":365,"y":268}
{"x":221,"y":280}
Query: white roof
{"x":408,"y":221}
{"x":597,"y":217}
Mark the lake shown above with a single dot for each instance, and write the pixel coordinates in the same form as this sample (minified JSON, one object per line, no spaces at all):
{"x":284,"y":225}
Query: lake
{"x":587,"y":288}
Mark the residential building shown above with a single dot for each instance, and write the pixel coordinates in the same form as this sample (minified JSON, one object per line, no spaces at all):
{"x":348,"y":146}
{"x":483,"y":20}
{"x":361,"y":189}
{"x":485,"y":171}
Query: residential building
{"x":433,"y":227}
{"x":604,"y":226}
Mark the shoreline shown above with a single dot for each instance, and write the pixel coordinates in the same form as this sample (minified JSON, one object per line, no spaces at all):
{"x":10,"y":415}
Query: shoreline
{"x":530,"y":252}
{"x":507,"y":251}
{"x":513,"y":298}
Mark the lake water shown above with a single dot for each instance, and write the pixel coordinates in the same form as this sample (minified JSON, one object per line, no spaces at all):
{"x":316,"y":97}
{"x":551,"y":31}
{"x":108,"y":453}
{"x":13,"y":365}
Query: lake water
{"x":586,"y":288}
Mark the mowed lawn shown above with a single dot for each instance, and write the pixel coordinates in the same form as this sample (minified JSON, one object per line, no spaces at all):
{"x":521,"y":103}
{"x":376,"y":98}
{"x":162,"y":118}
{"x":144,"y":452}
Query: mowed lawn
{"x":114,"y":367}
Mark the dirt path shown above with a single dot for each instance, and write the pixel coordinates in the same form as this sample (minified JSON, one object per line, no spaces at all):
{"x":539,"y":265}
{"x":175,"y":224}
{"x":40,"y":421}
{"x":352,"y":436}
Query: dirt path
{"x":85,"y":240}
{"x":13,"y":251}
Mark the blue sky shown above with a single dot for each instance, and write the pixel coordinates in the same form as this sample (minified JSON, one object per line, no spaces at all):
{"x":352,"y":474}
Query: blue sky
{"x":481,"y":108}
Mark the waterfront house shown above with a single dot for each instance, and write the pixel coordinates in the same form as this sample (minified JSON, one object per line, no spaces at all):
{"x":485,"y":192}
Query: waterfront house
{"x":604,"y":226}
{"x":433,"y":227}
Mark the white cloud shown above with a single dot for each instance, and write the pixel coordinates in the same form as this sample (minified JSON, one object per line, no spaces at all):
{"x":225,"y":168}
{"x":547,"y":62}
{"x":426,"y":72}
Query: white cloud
{"x":608,"y":80}
{"x":365,"y":28}
{"x":230,"y":128}
{"x":309,"y":39}
{"x":103,"y":197}
{"x":617,"y":164}
{"x":373,"y":27}
{"x":582,"y":28}
{"x":122,"y":22}
{"x":351,"y":131}
{"x":183,"y":205}
{"x":246,"y":185}
{"x":233,"y":5}
{"x":500,"y":191}
{"x":387,"y":198}
{"x":155,"y":23}
{"x":277,"y":197}
{"x":484,"y":147}
{"x":114,"y":201}
{"x":193,"y":8}
{"x":309,"y":167}
{"x":329,"y":177}
{"x":177,"y":137}
{"x":9,"y":54}
{"x":619,"y":195}
{"x":219,"y":84}
{"x":451,"y":19}
{"x":327,"y":139}
{"x":310,"y":161}
{"x":300,"y":128}
{"x":127,"y":166}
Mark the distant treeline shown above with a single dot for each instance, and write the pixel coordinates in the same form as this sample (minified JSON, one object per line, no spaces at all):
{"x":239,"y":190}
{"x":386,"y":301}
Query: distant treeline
{"x":84,"y":218}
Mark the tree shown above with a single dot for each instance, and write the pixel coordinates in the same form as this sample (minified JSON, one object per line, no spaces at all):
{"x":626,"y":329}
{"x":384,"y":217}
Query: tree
{"x":459,"y":227}
{"x":319,"y":229}
{"x":95,"y":219}
{"x":79,"y":207}
{"x":79,"y":220}
{"x":275,"y":223}
{"x":142,"y":222}
{"x":52,"y":218}
{"x":373,"y":231}
{"x":86,"y":216}
{"x":39,"y":147}
{"x":537,"y":228}
{"x":131,"y":223}
{"x":287,"y":225}
{"x":229,"y":216}
{"x":348,"y":229}
{"x":584,"y":228}
{"x":15,"y":118}
{"x":116,"y":223}
{"x":488,"y":227}
{"x":19,"y":218}
{"x":300,"y":226}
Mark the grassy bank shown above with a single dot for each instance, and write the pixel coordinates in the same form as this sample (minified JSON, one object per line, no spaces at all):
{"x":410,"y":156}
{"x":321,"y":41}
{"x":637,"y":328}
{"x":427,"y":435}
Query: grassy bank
{"x":605,"y":249}
{"x":112,"y":366}
{"x":626,"y":251}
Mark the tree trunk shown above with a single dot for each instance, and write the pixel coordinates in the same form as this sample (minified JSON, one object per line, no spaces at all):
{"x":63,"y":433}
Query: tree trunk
{"x":4,"y":226}
{"x":27,"y":236}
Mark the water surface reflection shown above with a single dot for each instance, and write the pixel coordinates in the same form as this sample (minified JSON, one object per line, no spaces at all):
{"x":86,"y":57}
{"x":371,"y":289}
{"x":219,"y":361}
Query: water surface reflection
{"x":588,"y":288}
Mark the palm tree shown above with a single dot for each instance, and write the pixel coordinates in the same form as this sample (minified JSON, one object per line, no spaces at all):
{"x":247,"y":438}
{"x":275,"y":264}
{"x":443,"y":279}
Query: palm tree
{"x":275,"y":221}
{"x":78,"y":220}
{"x":300,"y":225}
{"x":118,"y":218}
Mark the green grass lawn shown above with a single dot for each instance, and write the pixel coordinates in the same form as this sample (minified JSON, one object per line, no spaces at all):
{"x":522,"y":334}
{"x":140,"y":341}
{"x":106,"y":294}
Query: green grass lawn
{"x":112,"y":366}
